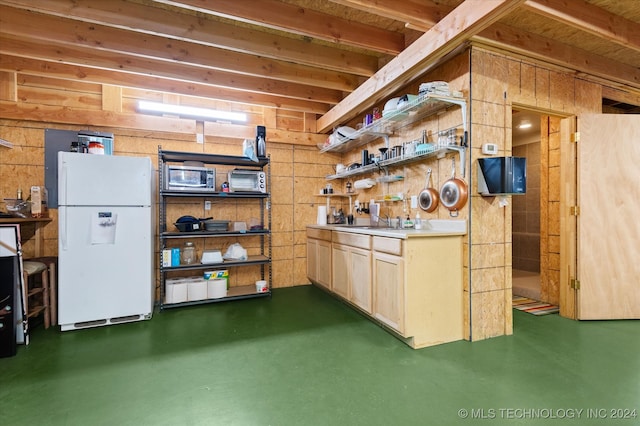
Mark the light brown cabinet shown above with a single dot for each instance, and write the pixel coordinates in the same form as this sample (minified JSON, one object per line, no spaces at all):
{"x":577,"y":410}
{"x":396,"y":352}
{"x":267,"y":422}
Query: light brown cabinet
{"x":319,"y":257}
{"x":351,"y":272}
{"x":352,"y":268}
{"x":388,"y":287}
{"x":412,"y":286}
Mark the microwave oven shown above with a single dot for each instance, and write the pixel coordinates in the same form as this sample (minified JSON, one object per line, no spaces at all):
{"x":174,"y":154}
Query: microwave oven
{"x":243,"y":180}
{"x":190,"y":178}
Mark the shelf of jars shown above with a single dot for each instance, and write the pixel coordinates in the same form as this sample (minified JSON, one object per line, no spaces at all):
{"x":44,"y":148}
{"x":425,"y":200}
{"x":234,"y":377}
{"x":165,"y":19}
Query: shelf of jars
{"x":412,"y":111}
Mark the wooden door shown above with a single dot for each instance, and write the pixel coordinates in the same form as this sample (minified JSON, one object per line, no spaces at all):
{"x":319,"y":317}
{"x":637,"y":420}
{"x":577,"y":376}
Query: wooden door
{"x":323,"y":273}
{"x":312,"y":259}
{"x":360,"y":260}
{"x":340,"y":268}
{"x":608,"y":246}
{"x":388,"y":290}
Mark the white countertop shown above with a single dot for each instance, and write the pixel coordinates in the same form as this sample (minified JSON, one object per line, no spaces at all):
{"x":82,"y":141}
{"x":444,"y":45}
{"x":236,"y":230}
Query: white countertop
{"x":430,"y":228}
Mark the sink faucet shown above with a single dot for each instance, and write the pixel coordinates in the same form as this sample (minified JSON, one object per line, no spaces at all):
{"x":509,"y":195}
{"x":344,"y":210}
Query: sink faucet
{"x":386,"y":219}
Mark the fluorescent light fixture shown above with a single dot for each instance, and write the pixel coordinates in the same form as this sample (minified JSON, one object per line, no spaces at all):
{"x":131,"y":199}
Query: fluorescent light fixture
{"x":182,"y":110}
{"x":525,"y":124}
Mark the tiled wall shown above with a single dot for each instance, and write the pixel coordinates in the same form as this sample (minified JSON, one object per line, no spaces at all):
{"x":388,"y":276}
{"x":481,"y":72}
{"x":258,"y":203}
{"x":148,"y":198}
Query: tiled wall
{"x":526,"y":213}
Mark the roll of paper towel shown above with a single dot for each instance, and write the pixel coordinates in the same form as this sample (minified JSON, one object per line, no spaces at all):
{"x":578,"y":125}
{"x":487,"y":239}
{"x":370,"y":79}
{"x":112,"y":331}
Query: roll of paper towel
{"x":322,"y":215}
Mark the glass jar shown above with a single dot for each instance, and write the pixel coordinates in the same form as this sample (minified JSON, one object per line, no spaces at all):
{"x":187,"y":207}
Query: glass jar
{"x":188,"y":253}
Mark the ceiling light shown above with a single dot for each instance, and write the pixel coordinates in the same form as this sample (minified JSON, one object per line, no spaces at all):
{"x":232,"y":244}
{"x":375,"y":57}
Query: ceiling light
{"x":524,"y":124}
{"x":182,"y":110}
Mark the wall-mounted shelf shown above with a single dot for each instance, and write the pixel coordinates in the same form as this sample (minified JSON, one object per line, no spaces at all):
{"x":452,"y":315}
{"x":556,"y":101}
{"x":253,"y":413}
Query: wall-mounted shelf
{"x":440,"y":152}
{"x":421,"y":107}
{"x":335,"y":195}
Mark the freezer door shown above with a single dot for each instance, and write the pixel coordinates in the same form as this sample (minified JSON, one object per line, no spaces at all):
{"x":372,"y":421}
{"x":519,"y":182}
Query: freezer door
{"x":104,"y":274}
{"x":103,"y":180}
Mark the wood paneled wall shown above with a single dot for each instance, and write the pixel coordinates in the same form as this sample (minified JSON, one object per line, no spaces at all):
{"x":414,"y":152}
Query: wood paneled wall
{"x":494,"y":85}
{"x":297,"y":168}
{"x":498,"y":83}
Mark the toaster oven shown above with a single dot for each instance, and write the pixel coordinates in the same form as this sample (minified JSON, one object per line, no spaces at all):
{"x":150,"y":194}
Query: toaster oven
{"x":244,"y":180}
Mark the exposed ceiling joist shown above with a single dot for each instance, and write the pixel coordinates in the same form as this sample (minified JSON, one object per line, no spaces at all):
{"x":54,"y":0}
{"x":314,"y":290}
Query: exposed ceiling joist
{"x":589,"y":18}
{"x":302,"y":21}
{"x":458,"y":26}
{"x":558,"y":53}
{"x":336,"y":57}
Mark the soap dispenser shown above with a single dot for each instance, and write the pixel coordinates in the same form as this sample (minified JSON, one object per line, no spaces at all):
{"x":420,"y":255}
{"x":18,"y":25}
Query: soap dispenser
{"x":417,"y":224}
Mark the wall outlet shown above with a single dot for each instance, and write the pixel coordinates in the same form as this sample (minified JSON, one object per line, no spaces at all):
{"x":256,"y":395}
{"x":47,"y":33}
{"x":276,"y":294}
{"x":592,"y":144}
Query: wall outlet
{"x":414,"y":201}
{"x":207,"y":205}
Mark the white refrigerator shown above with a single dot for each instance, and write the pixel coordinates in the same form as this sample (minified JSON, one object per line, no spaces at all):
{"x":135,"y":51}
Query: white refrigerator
{"x":105,"y":240}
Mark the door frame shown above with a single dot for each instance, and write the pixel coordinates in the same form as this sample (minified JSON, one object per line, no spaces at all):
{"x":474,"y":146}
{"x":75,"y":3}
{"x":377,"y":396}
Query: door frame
{"x":568,"y":220}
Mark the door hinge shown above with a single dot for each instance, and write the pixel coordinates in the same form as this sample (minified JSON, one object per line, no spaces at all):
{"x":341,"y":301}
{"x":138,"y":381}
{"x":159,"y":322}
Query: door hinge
{"x":575,"y":137}
{"x":574,"y":210}
{"x":574,"y":283}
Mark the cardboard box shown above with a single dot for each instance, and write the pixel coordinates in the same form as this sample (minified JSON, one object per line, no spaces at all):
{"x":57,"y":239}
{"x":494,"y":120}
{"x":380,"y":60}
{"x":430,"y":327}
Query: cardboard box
{"x":175,"y":256}
{"x":166,"y":257}
{"x":39,"y":201}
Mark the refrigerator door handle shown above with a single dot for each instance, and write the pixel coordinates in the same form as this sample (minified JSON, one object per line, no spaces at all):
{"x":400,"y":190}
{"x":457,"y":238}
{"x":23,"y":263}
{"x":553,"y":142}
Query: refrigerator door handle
{"x":62,"y":184}
{"x":63,"y":229}
{"x":62,"y":198}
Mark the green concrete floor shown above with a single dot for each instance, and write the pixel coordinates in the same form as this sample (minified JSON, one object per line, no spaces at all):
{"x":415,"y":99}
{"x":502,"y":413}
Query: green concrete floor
{"x":304,"y":358}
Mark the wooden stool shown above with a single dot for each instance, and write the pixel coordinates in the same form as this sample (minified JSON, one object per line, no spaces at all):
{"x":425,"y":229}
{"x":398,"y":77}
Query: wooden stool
{"x":36,"y":290}
{"x":51,"y":262}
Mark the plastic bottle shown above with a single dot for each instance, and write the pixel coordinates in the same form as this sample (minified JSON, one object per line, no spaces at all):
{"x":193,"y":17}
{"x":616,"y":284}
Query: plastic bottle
{"x":417,"y":222}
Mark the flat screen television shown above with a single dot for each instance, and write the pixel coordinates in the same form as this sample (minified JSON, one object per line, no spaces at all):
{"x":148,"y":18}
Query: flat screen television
{"x":502,"y":176}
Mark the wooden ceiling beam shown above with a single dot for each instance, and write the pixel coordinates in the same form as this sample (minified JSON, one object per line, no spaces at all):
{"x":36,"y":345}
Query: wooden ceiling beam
{"x":590,"y":18}
{"x":120,"y":63}
{"x":555,"y":52}
{"x":299,"y":20}
{"x":415,"y":13}
{"x":46,"y":28}
{"x":203,"y":30}
{"x":447,"y":35}
{"x":62,"y":71}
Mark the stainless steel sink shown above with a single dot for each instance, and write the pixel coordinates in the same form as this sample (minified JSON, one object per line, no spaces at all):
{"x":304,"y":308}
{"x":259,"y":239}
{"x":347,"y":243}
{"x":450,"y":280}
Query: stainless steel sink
{"x":385,"y":228}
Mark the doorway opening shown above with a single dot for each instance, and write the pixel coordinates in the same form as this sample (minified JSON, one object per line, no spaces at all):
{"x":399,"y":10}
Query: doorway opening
{"x":526,"y":142}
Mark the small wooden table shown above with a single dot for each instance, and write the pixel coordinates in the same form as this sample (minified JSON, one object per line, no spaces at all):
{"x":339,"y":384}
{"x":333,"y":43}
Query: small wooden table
{"x":38,"y":234}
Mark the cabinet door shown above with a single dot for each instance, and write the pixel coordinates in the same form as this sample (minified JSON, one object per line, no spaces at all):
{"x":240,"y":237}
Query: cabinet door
{"x":323,"y":272}
{"x":360,"y":261}
{"x":340,"y":270}
{"x":388,"y":290}
{"x":312,"y":259}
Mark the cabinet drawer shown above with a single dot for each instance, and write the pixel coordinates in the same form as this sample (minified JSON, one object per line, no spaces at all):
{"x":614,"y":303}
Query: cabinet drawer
{"x":319,"y":234}
{"x":353,"y":240}
{"x":388,"y":245}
